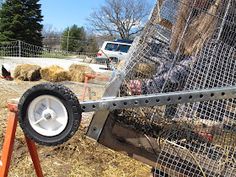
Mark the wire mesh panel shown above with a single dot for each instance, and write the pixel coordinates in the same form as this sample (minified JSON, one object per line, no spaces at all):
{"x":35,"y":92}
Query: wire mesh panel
{"x":186,"y":45}
{"x":9,"y":49}
{"x":23,"y":49}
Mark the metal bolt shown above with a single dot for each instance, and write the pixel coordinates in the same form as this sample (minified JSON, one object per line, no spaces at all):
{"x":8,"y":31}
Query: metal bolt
{"x":104,"y":106}
{"x":48,"y":116}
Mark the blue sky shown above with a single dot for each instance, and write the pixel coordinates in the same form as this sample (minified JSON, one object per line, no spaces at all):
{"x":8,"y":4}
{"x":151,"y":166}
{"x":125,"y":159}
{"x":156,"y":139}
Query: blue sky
{"x":64,"y":13}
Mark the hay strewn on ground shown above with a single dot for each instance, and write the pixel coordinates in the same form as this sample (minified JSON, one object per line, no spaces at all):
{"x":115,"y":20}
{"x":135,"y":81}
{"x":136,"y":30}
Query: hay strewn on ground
{"x":27,"y":72}
{"x":78,"y":72}
{"x":80,"y":157}
{"x":55,"y":74}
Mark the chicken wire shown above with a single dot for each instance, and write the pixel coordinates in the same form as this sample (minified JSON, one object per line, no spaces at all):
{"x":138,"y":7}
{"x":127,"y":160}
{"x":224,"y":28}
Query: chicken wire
{"x":186,"y":45}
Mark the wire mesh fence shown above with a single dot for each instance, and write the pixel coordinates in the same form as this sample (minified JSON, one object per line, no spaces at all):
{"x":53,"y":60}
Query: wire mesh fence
{"x":198,"y":52}
{"x":23,"y":49}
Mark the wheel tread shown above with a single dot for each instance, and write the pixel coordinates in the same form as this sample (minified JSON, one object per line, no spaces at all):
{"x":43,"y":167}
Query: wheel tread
{"x":68,"y":96}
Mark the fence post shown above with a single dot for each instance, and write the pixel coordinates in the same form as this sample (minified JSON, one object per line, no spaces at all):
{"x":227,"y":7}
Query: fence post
{"x":19,"y":46}
{"x":68,"y":40}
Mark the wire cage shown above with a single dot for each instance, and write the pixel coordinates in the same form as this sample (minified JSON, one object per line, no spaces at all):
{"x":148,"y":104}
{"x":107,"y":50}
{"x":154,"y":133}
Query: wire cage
{"x":184,"y":60}
{"x":186,"y":45}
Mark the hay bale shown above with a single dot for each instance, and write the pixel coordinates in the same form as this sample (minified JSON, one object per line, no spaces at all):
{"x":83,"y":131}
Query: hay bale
{"x":47,"y":72}
{"x":78,"y":72}
{"x":61,"y":76}
{"x":27,"y":72}
{"x":121,"y":65}
{"x":55,"y":74}
{"x":141,"y":69}
{"x":77,"y":76}
{"x":145,"y":69}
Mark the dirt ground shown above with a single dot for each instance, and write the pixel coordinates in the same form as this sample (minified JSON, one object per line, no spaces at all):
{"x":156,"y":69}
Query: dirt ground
{"x":80,"y":157}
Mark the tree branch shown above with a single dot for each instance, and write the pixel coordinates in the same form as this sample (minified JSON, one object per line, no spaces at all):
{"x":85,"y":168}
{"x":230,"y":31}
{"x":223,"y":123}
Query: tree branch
{"x":122,"y":17}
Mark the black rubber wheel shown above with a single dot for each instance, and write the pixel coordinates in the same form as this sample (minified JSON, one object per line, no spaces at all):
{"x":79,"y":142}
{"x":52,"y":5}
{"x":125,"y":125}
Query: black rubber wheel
{"x":66,"y":97}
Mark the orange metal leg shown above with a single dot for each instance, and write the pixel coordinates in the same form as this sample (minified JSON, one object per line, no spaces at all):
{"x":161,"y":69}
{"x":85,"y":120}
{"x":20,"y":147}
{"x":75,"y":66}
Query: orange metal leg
{"x":85,"y":88}
{"x":34,"y":156}
{"x":8,"y":144}
{"x":87,"y":78}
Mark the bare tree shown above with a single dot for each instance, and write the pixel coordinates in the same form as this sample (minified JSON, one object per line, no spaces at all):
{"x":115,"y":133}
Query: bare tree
{"x":122,"y":17}
{"x":51,"y":37}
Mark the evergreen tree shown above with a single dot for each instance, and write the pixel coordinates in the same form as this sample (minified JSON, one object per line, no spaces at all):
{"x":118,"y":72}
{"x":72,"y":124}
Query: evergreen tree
{"x":92,"y":45}
{"x":21,"y":20}
{"x":74,"y":39}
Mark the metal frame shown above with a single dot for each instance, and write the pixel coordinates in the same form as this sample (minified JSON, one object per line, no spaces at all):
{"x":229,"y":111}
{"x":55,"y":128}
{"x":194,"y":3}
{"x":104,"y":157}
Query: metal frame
{"x":112,"y":90}
{"x":160,"y":99}
{"x":102,"y":107}
{"x":110,"y":99}
{"x":106,"y":131}
{"x":100,"y":117}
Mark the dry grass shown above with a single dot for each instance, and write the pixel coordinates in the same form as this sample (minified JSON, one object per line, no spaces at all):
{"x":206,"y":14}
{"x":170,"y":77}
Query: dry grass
{"x":55,"y":74}
{"x":201,"y":29}
{"x":27,"y":72}
{"x":78,"y":72}
{"x":145,"y":69}
{"x":80,"y":157}
{"x":198,"y":31}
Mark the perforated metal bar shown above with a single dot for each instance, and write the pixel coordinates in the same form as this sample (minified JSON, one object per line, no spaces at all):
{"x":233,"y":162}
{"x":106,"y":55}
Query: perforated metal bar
{"x":160,"y":99}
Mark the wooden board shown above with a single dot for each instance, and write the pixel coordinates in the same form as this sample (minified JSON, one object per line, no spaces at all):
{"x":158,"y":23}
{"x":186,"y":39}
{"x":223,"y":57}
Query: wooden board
{"x":146,"y":150}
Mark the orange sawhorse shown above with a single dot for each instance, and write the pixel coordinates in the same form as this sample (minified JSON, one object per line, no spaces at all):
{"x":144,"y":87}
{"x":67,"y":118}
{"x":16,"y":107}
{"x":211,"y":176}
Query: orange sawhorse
{"x":86,"y":87}
{"x":9,"y":143}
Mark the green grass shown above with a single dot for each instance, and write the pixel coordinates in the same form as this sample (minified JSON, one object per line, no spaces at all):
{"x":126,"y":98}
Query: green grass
{"x":56,"y":55}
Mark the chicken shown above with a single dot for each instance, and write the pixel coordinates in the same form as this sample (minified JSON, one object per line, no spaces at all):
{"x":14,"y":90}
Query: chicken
{"x":6,"y":74}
